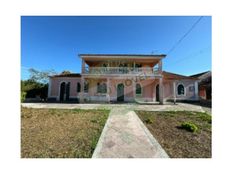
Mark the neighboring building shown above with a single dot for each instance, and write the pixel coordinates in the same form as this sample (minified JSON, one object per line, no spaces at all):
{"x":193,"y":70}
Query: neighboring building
{"x":204,"y":86}
{"x":122,"y":78}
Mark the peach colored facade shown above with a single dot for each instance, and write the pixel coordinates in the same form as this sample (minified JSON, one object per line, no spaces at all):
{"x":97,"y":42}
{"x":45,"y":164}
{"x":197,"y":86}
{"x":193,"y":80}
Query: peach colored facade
{"x":124,"y":78}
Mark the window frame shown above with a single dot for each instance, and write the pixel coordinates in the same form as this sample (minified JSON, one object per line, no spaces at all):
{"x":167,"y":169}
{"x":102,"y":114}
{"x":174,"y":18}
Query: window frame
{"x":178,"y":90}
{"x":101,"y":88}
{"x":141,"y":91}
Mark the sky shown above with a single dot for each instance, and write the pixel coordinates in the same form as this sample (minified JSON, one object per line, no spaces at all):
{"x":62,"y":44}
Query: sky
{"x":54,"y":42}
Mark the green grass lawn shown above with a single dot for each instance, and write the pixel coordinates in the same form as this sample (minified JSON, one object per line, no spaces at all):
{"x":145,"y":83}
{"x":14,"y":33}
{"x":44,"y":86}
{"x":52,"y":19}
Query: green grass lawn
{"x":60,"y":133}
{"x":178,"y":141}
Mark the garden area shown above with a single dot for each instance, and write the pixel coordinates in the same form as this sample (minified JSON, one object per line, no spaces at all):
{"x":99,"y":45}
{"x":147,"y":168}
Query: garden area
{"x":182,"y":134}
{"x":60,"y":133}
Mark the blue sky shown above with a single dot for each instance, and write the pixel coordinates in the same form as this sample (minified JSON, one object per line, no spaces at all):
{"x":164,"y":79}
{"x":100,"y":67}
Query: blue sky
{"x":54,"y":42}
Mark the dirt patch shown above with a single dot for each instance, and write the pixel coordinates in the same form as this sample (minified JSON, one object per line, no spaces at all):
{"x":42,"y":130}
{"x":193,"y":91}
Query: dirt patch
{"x":60,"y":133}
{"x":178,"y":142}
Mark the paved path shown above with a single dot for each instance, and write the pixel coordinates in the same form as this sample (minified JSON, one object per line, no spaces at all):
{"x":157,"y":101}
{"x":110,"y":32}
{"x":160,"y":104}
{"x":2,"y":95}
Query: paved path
{"x":125,"y":136}
{"x":132,"y":106}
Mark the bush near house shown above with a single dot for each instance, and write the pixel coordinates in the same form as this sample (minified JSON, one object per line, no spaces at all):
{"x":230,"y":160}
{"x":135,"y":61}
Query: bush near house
{"x":23,"y":96}
{"x":33,"y":89}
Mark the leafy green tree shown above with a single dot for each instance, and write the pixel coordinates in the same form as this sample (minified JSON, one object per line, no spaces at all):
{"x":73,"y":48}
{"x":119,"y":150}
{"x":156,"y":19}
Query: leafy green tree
{"x":66,"y":72}
{"x":37,"y":84}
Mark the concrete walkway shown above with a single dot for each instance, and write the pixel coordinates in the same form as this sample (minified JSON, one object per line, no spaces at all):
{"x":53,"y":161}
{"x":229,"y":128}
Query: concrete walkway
{"x":125,"y":136}
{"x":129,"y":106}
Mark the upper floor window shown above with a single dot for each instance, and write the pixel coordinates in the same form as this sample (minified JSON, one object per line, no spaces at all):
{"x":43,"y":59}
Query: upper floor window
{"x":138,"y":65}
{"x":104,"y":65}
{"x":138,"y":89}
{"x":180,"y":89}
{"x":78,"y":87}
{"x":86,"y":87}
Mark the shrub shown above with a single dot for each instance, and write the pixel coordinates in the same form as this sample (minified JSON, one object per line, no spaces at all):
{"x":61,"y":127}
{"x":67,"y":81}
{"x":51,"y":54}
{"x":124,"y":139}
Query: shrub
{"x":189,"y":126}
{"x":148,"y":121}
{"x":23,"y":96}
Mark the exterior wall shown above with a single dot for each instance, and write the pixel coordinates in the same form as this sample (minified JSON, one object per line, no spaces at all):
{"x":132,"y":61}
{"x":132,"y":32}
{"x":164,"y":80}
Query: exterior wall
{"x":128,"y":89}
{"x":189,"y":95}
{"x":55,"y":86}
{"x":148,"y":89}
{"x":202,"y":93}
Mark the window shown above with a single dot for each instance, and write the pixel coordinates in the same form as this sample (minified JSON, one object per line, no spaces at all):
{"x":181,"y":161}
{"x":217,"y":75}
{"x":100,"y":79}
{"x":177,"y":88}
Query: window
{"x":138,"y":89}
{"x":101,"y":88}
{"x":180,"y":89}
{"x":104,"y":65}
{"x":86,"y":87}
{"x":78,"y":87}
{"x":191,"y":88}
{"x":104,"y":90}
{"x":138,"y":65}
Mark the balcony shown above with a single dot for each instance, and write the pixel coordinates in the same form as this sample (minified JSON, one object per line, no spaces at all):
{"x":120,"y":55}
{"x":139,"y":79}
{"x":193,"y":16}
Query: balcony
{"x":121,"y":70}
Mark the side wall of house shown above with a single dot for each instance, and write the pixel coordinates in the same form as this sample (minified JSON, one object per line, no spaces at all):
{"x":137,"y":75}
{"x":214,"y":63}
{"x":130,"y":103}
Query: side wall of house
{"x":189,"y":86}
{"x":55,"y":86}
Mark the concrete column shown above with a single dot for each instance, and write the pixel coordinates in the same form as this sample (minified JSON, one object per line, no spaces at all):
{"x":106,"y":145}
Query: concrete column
{"x":108,"y":90}
{"x":196,"y":90}
{"x":174,"y":92}
{"x":160,"y":66}
{"x":83,"y":66}
{"x":161,"y":90}
{"x":134,"y":88}
{"x":49,"y":87}
{"x":82,"y":90}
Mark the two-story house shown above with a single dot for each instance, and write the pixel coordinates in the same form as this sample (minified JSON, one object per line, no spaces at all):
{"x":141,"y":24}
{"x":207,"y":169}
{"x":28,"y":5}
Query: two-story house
{"x":122,"y":78}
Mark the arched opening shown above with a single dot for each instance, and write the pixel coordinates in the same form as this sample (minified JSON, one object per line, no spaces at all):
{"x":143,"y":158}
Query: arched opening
{"x":78,"y":87}
{"x":138,"y":89}
{"x":62,"y":91}
{"x":120,"y":92}
{"x":157,"y":93}
{"x":67,"y":91}
{"x":180,"y":89}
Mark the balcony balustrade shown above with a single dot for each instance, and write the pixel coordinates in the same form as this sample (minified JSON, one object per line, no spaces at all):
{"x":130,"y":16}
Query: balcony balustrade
{"x":121,"y":70}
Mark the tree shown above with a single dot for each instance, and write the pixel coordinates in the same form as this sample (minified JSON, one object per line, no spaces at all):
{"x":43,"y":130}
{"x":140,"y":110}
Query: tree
{"x":66,"y":72}
{"x":40,"y":76}
{"x":37,"y":84}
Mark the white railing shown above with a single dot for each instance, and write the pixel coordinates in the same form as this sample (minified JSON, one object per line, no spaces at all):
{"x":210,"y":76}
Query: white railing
{"x":121,"y":70}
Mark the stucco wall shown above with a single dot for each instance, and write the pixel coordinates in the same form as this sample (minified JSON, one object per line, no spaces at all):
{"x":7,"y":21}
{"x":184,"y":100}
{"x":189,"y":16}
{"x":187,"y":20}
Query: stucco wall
{"x":189,"y":95}
{"x":148,"y":88}
{"x":55,"y":85}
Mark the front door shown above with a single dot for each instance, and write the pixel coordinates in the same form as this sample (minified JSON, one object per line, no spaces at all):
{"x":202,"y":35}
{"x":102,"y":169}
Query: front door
{"x":157,"y":92}
{"x":120,"y":92}
{"x":62,"y":91}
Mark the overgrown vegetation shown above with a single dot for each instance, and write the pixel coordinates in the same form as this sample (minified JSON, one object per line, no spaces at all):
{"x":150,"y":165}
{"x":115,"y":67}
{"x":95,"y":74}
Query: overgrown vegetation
{"x":36,"y":85}
{"x":23,"y":96}
{"x":60,"y":133}
{"x":33,"y":89}
{"x":179,"y":143}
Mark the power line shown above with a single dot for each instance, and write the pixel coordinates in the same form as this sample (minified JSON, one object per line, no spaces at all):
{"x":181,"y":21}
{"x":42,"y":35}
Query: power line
{"x":182,"y":38}
{"x":197,"y":53}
